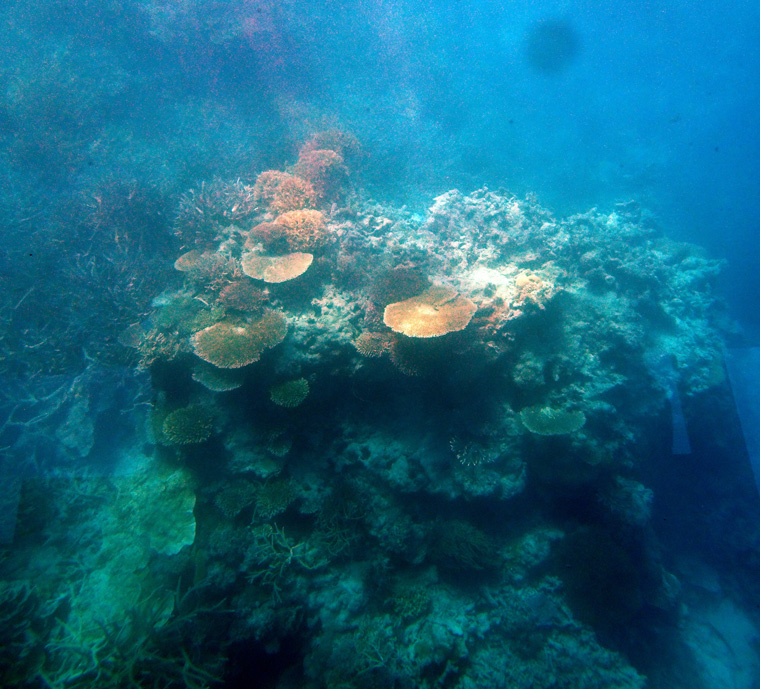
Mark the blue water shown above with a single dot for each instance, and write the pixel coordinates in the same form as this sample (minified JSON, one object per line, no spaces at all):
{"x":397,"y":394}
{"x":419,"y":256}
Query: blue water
{"x":116,"y":117}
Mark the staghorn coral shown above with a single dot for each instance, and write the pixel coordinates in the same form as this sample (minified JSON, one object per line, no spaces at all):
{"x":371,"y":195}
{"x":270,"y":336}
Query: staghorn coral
{"x":275,"y":269}
{"x":435,"y":312}
{"x":551,"y":421}
{"x":204,"y":210}
{"x":305,"y":230}
{"x":290,"y":393}
{"x":233,"y":345}
{"x":187,"y":426}
{"x":209,"y":270}
{"x":26,"y":623}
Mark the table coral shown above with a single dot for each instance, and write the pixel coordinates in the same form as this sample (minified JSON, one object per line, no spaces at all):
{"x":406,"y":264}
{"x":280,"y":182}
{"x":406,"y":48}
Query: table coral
{"x":275,"y":269}
{"x":231,"y":345}
{"x":187,"y":426}
{"x":291,"y":393}
{"x":435,"y":312}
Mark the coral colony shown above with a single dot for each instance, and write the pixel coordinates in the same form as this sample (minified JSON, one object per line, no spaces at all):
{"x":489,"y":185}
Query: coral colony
{"x":364,"y":420}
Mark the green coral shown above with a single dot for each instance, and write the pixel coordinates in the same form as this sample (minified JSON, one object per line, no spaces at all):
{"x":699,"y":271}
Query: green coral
{"x":551,"y":421}
{"x":290,"y":393}
{"x":187,"y":426}
{"x":461,"y":546}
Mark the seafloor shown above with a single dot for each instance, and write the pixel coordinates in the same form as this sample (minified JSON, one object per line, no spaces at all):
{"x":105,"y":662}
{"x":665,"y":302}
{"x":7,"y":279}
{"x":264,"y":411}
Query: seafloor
{"x":366,"y":446}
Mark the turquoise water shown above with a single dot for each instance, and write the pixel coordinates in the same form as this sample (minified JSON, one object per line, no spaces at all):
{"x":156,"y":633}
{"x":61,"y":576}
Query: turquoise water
{"x":378,"y":344}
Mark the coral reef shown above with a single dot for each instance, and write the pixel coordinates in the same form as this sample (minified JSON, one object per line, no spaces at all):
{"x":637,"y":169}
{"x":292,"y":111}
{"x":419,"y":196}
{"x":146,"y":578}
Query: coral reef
{"x":462,"y":499}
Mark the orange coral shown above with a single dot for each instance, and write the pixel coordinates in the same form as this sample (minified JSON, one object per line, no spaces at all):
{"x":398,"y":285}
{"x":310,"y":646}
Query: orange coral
{"x":188,"y":261}
{"x":435,"y":312}
{"x":344,"y":144}
{"x":231,"y":345}
{"x":281,"y":191}
{"x":276,"y":268}
{"x":324,"y":170}
{"x":305,"y":230}
{"x":373,"y":345}
{"x":266,"y":185}
{"x":269,"y":235}
{"x":293,"y":193}
{"x":242,"y":296}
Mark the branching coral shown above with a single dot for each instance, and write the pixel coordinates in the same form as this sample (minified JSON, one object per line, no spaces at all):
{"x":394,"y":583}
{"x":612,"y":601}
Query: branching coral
{"x":280,"y":192}
{"x":324,"y":170}
{"x":208,"y":270}
{"x":204,"y":210}
{"x":305,"y":230}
